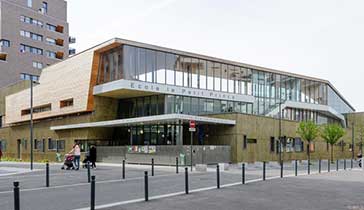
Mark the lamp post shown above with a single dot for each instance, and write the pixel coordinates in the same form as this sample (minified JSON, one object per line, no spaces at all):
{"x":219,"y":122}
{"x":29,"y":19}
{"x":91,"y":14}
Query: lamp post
{"x":352,"y":141}
{"x":26,"y":76}
{"x":280,"y":130}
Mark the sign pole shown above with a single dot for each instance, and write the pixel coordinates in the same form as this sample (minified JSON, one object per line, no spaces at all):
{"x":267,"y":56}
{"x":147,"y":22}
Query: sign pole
{"x":191,"y":149}
{"x":192,"y":129}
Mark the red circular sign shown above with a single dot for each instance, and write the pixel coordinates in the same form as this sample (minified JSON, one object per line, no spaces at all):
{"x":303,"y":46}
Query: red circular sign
{"x":192,"y":124}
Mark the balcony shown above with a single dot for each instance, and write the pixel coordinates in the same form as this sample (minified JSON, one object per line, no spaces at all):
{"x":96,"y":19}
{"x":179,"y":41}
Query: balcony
{"x":3,"y":56}
{"x":59,"y":28}
{"x":59,"y":42}
{"x":72,"y":40}
{"x":59,"y":55}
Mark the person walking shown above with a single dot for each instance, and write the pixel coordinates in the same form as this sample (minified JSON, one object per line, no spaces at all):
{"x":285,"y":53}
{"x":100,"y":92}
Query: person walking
{"x":77,"y":155}
{"x":93,"y":156}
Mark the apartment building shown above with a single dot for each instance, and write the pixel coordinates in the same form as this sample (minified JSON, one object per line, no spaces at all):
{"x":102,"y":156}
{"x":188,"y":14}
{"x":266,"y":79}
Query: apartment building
{"x":33,"y":34}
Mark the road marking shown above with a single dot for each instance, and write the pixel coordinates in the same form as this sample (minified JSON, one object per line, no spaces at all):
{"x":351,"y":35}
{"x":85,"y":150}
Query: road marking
{"x":191,"y":191}
{"x":84,"y":184}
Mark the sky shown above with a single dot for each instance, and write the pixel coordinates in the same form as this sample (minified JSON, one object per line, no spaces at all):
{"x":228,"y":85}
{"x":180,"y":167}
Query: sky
{"x":322,"y":39}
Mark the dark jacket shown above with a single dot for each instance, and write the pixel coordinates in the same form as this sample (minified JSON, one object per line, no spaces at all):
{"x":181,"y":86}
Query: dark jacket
{"x":93,"y":154}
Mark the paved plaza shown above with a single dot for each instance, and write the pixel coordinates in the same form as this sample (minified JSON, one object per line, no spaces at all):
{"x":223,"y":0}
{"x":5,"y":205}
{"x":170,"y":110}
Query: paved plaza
{"x":70,"y":189}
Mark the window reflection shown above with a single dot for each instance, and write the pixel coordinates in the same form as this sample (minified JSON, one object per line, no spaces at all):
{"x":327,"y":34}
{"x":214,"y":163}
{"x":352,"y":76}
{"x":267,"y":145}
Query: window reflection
{"x":270,"y":89}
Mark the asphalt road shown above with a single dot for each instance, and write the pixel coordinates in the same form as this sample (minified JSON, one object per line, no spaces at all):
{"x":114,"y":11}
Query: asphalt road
{"x":341,"y":190}
{"x":70,"y":190}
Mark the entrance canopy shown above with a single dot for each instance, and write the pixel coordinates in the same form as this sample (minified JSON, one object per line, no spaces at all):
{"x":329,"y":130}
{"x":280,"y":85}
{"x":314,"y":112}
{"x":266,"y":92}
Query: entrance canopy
{"x":157,"y":119}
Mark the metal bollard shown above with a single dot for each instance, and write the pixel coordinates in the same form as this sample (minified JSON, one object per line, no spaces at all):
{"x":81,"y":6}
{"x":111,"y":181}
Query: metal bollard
{"x":319,"y":166}
{"x":218,"y":176}
{"x":295,"y":168}
{"x":152,"y":166}
{"x":344,"y":164}
{"x":328,"y":165}
{"x":47,"y":174}
{"x":337,"y":165}
{"x":351,"y":163}
{"x":146,"y":185}
{"x":176,"y":165}
{"x":186,"y":180}
{"x":16,"y":196}
{"x":88,"y":172}
{"x":263,"y":170}
{"x":243,"y":173}
{"x":308,"y":167}
{"x":281,"y":169}
{"x":123,"y":170}
{"x":92,"y":206}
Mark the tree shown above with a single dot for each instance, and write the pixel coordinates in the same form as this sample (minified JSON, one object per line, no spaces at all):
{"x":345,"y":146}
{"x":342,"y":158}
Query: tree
{"x":331,"y":133}
{"x":308,"y":131}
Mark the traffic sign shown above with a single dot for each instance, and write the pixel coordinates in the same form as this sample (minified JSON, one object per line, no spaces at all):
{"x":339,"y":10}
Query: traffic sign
{"x":192,"y":129}
{"x":192,"y":124}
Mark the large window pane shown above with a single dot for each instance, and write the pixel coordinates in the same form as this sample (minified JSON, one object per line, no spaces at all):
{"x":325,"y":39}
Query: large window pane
{"x":151,"y":65}
{"x":186,"y":66}
{"x":203,"y":73}
{"x":210,"y":75}
{"x":179,"y":71}
{"x":224,"y":78}
{"x":171,"y":61}
{"x":217,"y":76}
{"x":194,"y":72}
{"x":231,"y":77}
{"x":161,"y":68}
{"x":141,"y":64}
{"x":130,"y":62}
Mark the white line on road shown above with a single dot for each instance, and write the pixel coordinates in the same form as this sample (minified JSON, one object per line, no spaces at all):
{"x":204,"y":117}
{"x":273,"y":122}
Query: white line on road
{"x":195,"y":190}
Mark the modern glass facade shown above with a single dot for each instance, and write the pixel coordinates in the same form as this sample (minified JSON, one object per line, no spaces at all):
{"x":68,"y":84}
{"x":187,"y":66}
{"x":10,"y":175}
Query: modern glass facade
{"x":269,"y":89}
{"x":171,"y":104}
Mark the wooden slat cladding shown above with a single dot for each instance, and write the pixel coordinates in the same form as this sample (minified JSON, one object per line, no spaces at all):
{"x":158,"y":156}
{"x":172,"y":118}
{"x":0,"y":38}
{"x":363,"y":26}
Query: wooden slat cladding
{"x":94,"y":72}
{"x":93,"y":80}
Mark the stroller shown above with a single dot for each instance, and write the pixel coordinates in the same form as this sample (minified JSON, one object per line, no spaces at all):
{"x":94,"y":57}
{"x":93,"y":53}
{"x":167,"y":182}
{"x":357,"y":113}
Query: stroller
{"x":87,"y":159}
{"x":68,"y":162}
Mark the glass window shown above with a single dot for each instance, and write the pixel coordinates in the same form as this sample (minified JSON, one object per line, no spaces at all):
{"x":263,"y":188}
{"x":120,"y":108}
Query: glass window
{"x":217,"y":106}
{"x":37,"y":65}
{"x":194,"y":106}
{"x":210,"y":75}
{"x":61,"y":145}
{"x":236,"y":78}
{"x":231,"y":78}
{"x":186,"y":105}
{"x":151,"y":65}
{"x":178,"y":104}
{"x":171,"y":61}
{"x":4,"y":43}
{"x":161,"y":68}
{"x":194,"y":72}
{"x":187,"y":74}
{"x":141,"y":64}
{"x":29,"y":3}
{"x":217,"y":76}
{"x":170,"y":101}
{"x":209,"y":106}
{"x":249,"y":85}
{"x":45,"y":7}
{"x":52,"y":144}
{"x":203,"y":73}
{"x":224,"y":78}
{"x":179,"y":71}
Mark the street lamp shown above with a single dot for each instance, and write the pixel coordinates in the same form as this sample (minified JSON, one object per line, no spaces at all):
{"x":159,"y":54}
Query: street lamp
{"x":280,"y":131}
{"x":352,"y":141}
{"x":31,"y":77}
